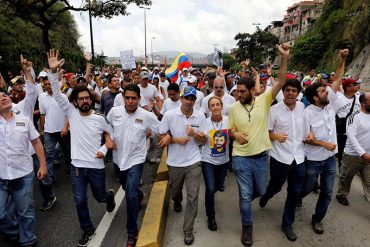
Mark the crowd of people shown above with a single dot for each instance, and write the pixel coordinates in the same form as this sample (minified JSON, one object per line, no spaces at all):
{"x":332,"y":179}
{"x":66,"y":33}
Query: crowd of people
{"x":294,"y":127}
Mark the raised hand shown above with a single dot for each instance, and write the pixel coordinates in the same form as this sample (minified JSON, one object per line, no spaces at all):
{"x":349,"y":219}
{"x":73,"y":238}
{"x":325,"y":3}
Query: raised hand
{"x":53,"y":61}
{"x":26,"y":65}
{"x":344,"y":53}
{"x":284,"y":49}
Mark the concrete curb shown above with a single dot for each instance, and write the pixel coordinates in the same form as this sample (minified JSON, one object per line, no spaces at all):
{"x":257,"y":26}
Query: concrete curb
{"x":153,"y":226}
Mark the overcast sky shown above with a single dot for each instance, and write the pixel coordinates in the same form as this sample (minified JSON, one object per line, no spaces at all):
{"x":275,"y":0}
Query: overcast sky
{"x":181,"y":25}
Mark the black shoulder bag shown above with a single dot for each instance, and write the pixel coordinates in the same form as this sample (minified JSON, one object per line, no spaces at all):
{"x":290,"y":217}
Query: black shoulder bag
{"x":341,"y":122}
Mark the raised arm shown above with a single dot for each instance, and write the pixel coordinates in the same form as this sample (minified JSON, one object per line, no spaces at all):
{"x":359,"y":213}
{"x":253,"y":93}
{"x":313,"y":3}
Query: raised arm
{"x":284,"y":51}
{"x":54,"y":65}
{"x":343,"y":54}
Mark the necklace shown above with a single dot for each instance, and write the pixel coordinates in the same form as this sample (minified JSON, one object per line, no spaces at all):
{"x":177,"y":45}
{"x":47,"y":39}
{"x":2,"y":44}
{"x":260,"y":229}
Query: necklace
{"x":249,"y":111}
{"x":216,"y":123}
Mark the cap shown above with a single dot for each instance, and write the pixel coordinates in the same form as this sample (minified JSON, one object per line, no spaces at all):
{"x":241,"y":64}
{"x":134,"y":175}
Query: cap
{"x":263,"y":77}
{"x":144,"y":68}
{"x":307,"y":83}
{"x":185,"y":69}
{"x":156,"y":68}
{"x":188,"y":91}
{"x":348,"y":82}
{"x":144,"y":74}
{"x":290,"y":76}
{"x":324,"y":75}
{"x":211,"y":74}
{"x":68,"y":76}
{"x":17,"y":80}
{"x":192,"y":79}
{"x":43,"y":74}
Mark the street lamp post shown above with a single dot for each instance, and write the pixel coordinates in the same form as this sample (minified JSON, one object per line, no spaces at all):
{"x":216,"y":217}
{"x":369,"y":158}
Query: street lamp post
{"x":91,"y":34}
{"x":145,"y":8}
{"x":151,"y":45}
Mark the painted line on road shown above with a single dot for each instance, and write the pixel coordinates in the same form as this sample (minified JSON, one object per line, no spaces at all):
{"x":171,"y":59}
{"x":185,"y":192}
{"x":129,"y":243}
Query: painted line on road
{"x":105,"y":223}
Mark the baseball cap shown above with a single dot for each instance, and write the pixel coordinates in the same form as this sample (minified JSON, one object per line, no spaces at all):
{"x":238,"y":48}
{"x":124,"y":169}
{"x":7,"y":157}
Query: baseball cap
{"x":307,"y":83}
{"x":17,"y":80}
{"x":188,"y":91}
{"x":43,"y":74}
{"x":324,"y":75}
{"x":290,"y":76}
{"x":263,"y":77}
{"x":156,"y":68}
{"x":192,"y":79}
{"x":144,"y":68}
{"x":185,"y":69}
{"x":144,"y":74}
{"x":348,"y":82}
{"x":68,"y":76}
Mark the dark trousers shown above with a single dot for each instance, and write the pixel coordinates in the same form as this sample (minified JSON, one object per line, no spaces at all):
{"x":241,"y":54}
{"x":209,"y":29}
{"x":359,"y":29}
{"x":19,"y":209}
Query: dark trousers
{"x":214,"y":178}
{"x":341,"y":139}
{"x":130,"y":181}
{"x":279,"y":173}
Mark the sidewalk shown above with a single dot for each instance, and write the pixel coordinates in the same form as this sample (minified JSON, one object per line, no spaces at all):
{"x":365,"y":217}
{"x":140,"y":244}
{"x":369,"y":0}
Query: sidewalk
{"x":344,"y":226}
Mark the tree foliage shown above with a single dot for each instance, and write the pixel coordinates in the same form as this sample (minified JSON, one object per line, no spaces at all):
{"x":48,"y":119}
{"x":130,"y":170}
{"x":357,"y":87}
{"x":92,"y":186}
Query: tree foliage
{"x":258,"y":47}
{"x":20,"y":37}
{"x":45,"y":13}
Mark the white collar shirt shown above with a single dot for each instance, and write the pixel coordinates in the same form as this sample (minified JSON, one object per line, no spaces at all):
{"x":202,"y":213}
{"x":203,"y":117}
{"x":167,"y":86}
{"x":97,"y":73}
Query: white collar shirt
{"x":198,"y":102}
{"x":282,"y":120}
{"x":54,"y":116}
{"x":15,"y":137}
{"x":175,"y":122}
{"x":227,"y":100}
{"x":129,"y":134}
{"x":358,"y":134}
{"x":169,"y":104}
{"x":321,"y":121}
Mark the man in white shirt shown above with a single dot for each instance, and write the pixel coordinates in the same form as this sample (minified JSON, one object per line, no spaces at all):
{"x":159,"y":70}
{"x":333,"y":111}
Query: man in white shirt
{"x":321,"y":150}
{"x":86,"y":129}
{"x":192,"y":82}
{"x":187,"y":127}
{"x":149,"y":91}
{"x":356,"y":158}
{"x":182,"y":80}
{"x":17,"y":132}
{"x":130,"y":126}
{"x":51,"y":124}
{"x":219,"y":91}
{"x":287,"y":154}
{"x":170,"y":103}
{"x":347,"y":105}
{"x":163,"y":82}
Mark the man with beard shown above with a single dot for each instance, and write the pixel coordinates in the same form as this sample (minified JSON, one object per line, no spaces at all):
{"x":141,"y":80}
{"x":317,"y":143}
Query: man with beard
{"x":357,"y":151}
{"x":87,"y":160}
{"x":248,"y":119}
{"x":320,"y":151}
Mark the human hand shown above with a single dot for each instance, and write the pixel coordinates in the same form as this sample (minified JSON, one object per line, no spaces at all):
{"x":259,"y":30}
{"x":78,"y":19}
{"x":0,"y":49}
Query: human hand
{"x":165,"y":141}
{"x":182,"y":140}
{"x":41,"y":173}
{"x":99,"y":155}
{"x":366,"y":158}
{"x":64,"y":132}
{"x":310,"y":137}
{"x":283,"y":49}
{"x":241,"y":138}
{"x":26,"y":65}
{"x":53,"y":61}
{"x":344,"y":53}
{"x":281,"y":137}
{"x":88,"y":56}
{"x":190,"y":131}
{"x":330,"y":146}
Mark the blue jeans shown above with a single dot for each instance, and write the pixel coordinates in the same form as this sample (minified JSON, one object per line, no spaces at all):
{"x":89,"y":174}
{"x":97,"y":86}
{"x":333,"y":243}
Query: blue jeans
{"x":81,"y":177}
{"x":279,"y":173}
{"x":326,"y":169}
{"x":130,"y":181}
{"x":214,"y":178}
{"x":251,"y":176}
{"x":17,"y":213}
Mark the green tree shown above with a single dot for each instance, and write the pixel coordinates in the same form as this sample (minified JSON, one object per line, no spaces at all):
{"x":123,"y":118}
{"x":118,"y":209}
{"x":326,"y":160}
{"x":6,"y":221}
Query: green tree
{"x":229,"y":61}
{"x":45,"y":13}
{"x":259,"y":46}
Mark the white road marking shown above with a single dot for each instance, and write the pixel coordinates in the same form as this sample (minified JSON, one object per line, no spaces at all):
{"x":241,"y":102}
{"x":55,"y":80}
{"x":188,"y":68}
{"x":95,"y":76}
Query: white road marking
{"x":105,"y":223}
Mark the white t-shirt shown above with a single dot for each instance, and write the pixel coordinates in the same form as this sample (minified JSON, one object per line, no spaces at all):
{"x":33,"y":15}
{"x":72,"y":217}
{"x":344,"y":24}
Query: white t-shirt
{"x":164,"y":85}
{"x":216,"y":150}
{"x":54,"y":116}
{"x":282,"y":120}
{"x":227,"y":100}
{"x":198,"y":102}
{"x":129,"y":134}
{"x":150,"y":92}
{"x":175,"y":122}
{"x":358,"y":134}
{"x":169,"y":104}
{"x":343,"y":105}
{"x":118,"y":100}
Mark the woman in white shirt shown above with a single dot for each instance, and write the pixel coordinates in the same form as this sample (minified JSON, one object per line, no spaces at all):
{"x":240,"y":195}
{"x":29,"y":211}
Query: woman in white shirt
{"x":215,"y":156}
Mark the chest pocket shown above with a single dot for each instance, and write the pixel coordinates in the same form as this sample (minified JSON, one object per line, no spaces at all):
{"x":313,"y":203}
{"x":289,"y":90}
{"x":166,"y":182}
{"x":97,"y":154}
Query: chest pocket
{"x":20,"y":136}
{"x":117,"y":128}
{"x":136,"y":133}
{"x":319,"y":129}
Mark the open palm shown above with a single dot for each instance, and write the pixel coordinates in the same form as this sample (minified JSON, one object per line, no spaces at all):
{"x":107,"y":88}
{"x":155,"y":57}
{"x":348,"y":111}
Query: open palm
{"x":53,"y":61}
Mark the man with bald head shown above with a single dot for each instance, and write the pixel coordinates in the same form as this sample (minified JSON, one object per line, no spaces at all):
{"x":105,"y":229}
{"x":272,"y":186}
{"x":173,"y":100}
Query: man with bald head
{"x":219,"y":91}
{"x":356,"y":158}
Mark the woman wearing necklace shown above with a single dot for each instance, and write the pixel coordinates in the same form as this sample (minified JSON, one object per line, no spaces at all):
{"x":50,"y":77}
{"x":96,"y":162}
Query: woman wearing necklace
{"x":215,"y":156}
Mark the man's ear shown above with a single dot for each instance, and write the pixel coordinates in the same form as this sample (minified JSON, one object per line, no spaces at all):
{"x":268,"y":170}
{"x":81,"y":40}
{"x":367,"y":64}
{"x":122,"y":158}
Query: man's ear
{"x":252,"y":91}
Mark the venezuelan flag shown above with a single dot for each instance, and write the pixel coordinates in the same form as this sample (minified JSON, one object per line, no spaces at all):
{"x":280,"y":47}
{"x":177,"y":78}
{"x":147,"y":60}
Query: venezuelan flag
{"x":180,"y":62}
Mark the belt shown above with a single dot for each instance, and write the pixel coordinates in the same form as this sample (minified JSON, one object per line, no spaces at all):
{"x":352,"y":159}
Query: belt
{"x":256,"y":156}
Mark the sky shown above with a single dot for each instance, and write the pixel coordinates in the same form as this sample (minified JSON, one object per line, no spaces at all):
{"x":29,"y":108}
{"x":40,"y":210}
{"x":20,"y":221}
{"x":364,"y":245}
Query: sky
{"x":179,"y":25}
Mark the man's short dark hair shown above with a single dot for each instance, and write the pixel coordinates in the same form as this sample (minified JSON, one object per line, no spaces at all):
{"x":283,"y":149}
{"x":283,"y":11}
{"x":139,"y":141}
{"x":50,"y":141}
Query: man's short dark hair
{"x":173,"y":86}
{"x":362,"y":98}
{"x":311,"y":91}
{"x":78,"y":89}
{"x":156,"y":78}
{"x":132,"y":88}
{"x":248,"y":82}
{"x":293,"y":83}
{"x":110,"y":78}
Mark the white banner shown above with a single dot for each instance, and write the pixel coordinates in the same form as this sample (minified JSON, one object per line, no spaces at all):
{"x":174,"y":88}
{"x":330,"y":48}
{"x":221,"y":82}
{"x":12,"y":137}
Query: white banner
{"x":217,"y":58}
{"x":127,"y":59}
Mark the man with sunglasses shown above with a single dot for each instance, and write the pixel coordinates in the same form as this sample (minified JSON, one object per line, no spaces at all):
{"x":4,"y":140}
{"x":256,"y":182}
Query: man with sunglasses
{"x":219,"y":91}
